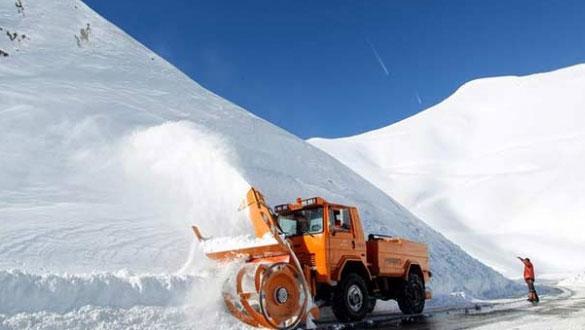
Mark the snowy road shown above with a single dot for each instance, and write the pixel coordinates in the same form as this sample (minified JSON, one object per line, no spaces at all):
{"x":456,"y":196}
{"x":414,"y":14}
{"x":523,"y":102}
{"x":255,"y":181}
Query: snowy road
{"x":564,"y":311}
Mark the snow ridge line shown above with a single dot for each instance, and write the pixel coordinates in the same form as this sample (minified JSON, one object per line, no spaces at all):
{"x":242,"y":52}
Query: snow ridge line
{"x":25,"y":292}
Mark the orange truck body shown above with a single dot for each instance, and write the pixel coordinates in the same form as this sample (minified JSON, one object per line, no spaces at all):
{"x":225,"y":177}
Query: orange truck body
{"x":382,"y":260}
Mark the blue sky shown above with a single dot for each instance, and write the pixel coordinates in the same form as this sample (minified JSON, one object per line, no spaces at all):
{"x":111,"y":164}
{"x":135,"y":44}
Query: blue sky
{"x":338,"y":68}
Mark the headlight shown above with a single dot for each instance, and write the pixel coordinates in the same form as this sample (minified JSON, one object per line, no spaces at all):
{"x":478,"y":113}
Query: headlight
{"x":281,"y":208}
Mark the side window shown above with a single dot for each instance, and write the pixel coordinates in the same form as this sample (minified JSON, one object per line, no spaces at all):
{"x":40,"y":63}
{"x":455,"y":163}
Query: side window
{"x":340,"y":219}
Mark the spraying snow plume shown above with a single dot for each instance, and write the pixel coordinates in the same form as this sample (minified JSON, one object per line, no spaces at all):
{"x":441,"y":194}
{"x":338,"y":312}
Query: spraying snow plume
{"x":183,"y":171}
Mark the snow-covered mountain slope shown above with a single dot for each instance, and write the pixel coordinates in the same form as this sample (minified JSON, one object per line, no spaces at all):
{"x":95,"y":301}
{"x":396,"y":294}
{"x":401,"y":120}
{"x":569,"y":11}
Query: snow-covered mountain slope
{"x":107,"y":155}
{"x":497,"y":168}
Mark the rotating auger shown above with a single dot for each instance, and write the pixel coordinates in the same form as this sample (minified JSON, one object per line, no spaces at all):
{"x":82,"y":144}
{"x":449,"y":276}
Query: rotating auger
{"x":270,"y":290}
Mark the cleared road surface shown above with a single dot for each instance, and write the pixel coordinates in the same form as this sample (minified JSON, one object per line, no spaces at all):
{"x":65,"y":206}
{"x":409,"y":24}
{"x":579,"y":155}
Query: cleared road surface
{"x":563,"y":311}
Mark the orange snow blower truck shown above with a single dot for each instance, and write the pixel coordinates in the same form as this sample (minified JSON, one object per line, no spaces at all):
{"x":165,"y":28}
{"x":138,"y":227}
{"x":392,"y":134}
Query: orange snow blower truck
{"x":312,"y":254}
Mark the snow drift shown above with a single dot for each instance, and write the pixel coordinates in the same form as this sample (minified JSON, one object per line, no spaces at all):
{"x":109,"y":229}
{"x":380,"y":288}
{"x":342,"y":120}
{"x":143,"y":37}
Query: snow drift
{"x":107,"y":155}
{"x":496,"y":168}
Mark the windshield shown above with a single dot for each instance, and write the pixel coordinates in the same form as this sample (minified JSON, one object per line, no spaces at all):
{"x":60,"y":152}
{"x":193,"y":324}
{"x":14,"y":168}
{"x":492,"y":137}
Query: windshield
{"x":308,"y":221}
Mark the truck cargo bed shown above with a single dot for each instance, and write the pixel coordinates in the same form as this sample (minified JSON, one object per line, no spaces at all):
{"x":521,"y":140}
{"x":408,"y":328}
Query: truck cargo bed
{"x":389,"y":256}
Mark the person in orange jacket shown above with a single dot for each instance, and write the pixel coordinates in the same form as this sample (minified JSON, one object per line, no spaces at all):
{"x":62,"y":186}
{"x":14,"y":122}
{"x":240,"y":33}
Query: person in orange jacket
{"x":529,"y":278}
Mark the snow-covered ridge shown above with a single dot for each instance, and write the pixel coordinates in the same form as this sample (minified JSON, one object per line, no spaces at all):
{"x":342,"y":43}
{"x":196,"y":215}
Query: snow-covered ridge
{"x":25,"y":292}
{"x":496,"y":167}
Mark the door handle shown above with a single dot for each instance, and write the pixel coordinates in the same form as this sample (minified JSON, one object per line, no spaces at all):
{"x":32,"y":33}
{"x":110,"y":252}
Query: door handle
{"x":353,"y":245}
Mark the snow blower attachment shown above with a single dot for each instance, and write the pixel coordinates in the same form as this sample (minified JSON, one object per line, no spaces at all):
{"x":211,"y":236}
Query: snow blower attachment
{"x":269,"y":294}
{"x":312,"y":254}
{"x":270,"y":288}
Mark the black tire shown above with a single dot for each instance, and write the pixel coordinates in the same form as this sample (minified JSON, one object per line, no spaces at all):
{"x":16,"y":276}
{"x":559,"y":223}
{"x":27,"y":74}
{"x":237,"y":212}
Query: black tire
{"x":350,"y":299}
{"x":411,"y":299}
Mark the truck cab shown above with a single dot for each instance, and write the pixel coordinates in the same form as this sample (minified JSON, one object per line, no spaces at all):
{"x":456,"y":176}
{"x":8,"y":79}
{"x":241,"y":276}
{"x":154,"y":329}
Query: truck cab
{"x":324,"y":236}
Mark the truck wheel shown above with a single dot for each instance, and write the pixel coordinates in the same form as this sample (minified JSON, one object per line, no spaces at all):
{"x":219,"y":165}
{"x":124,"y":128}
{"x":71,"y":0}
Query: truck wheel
{"x":351,"y":300}
{"x":411,"y":299}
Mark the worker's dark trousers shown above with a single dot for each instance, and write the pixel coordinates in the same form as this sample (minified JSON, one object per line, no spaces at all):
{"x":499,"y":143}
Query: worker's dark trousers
{"x":532,"y":295}
{"x":530,"y":283}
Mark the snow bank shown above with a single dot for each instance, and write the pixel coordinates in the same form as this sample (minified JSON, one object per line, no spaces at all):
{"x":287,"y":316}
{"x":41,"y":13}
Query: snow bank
{"x":90,"y":317}
{"x":25,"y":292}
{"x":114,"y":301}
{"x":137,"y":317}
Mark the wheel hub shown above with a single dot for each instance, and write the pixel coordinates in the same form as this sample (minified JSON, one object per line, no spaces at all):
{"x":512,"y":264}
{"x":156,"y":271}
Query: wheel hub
{"x":355,"y":298}
{"x":281,"y":295}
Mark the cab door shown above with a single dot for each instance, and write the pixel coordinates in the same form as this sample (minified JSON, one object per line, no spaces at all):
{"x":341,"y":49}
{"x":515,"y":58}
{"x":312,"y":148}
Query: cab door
{"x":341,"y":236}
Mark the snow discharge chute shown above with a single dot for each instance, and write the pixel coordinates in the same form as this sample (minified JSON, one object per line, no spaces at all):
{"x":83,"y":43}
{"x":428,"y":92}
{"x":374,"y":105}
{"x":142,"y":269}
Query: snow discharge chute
{"x":270,"y":289}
